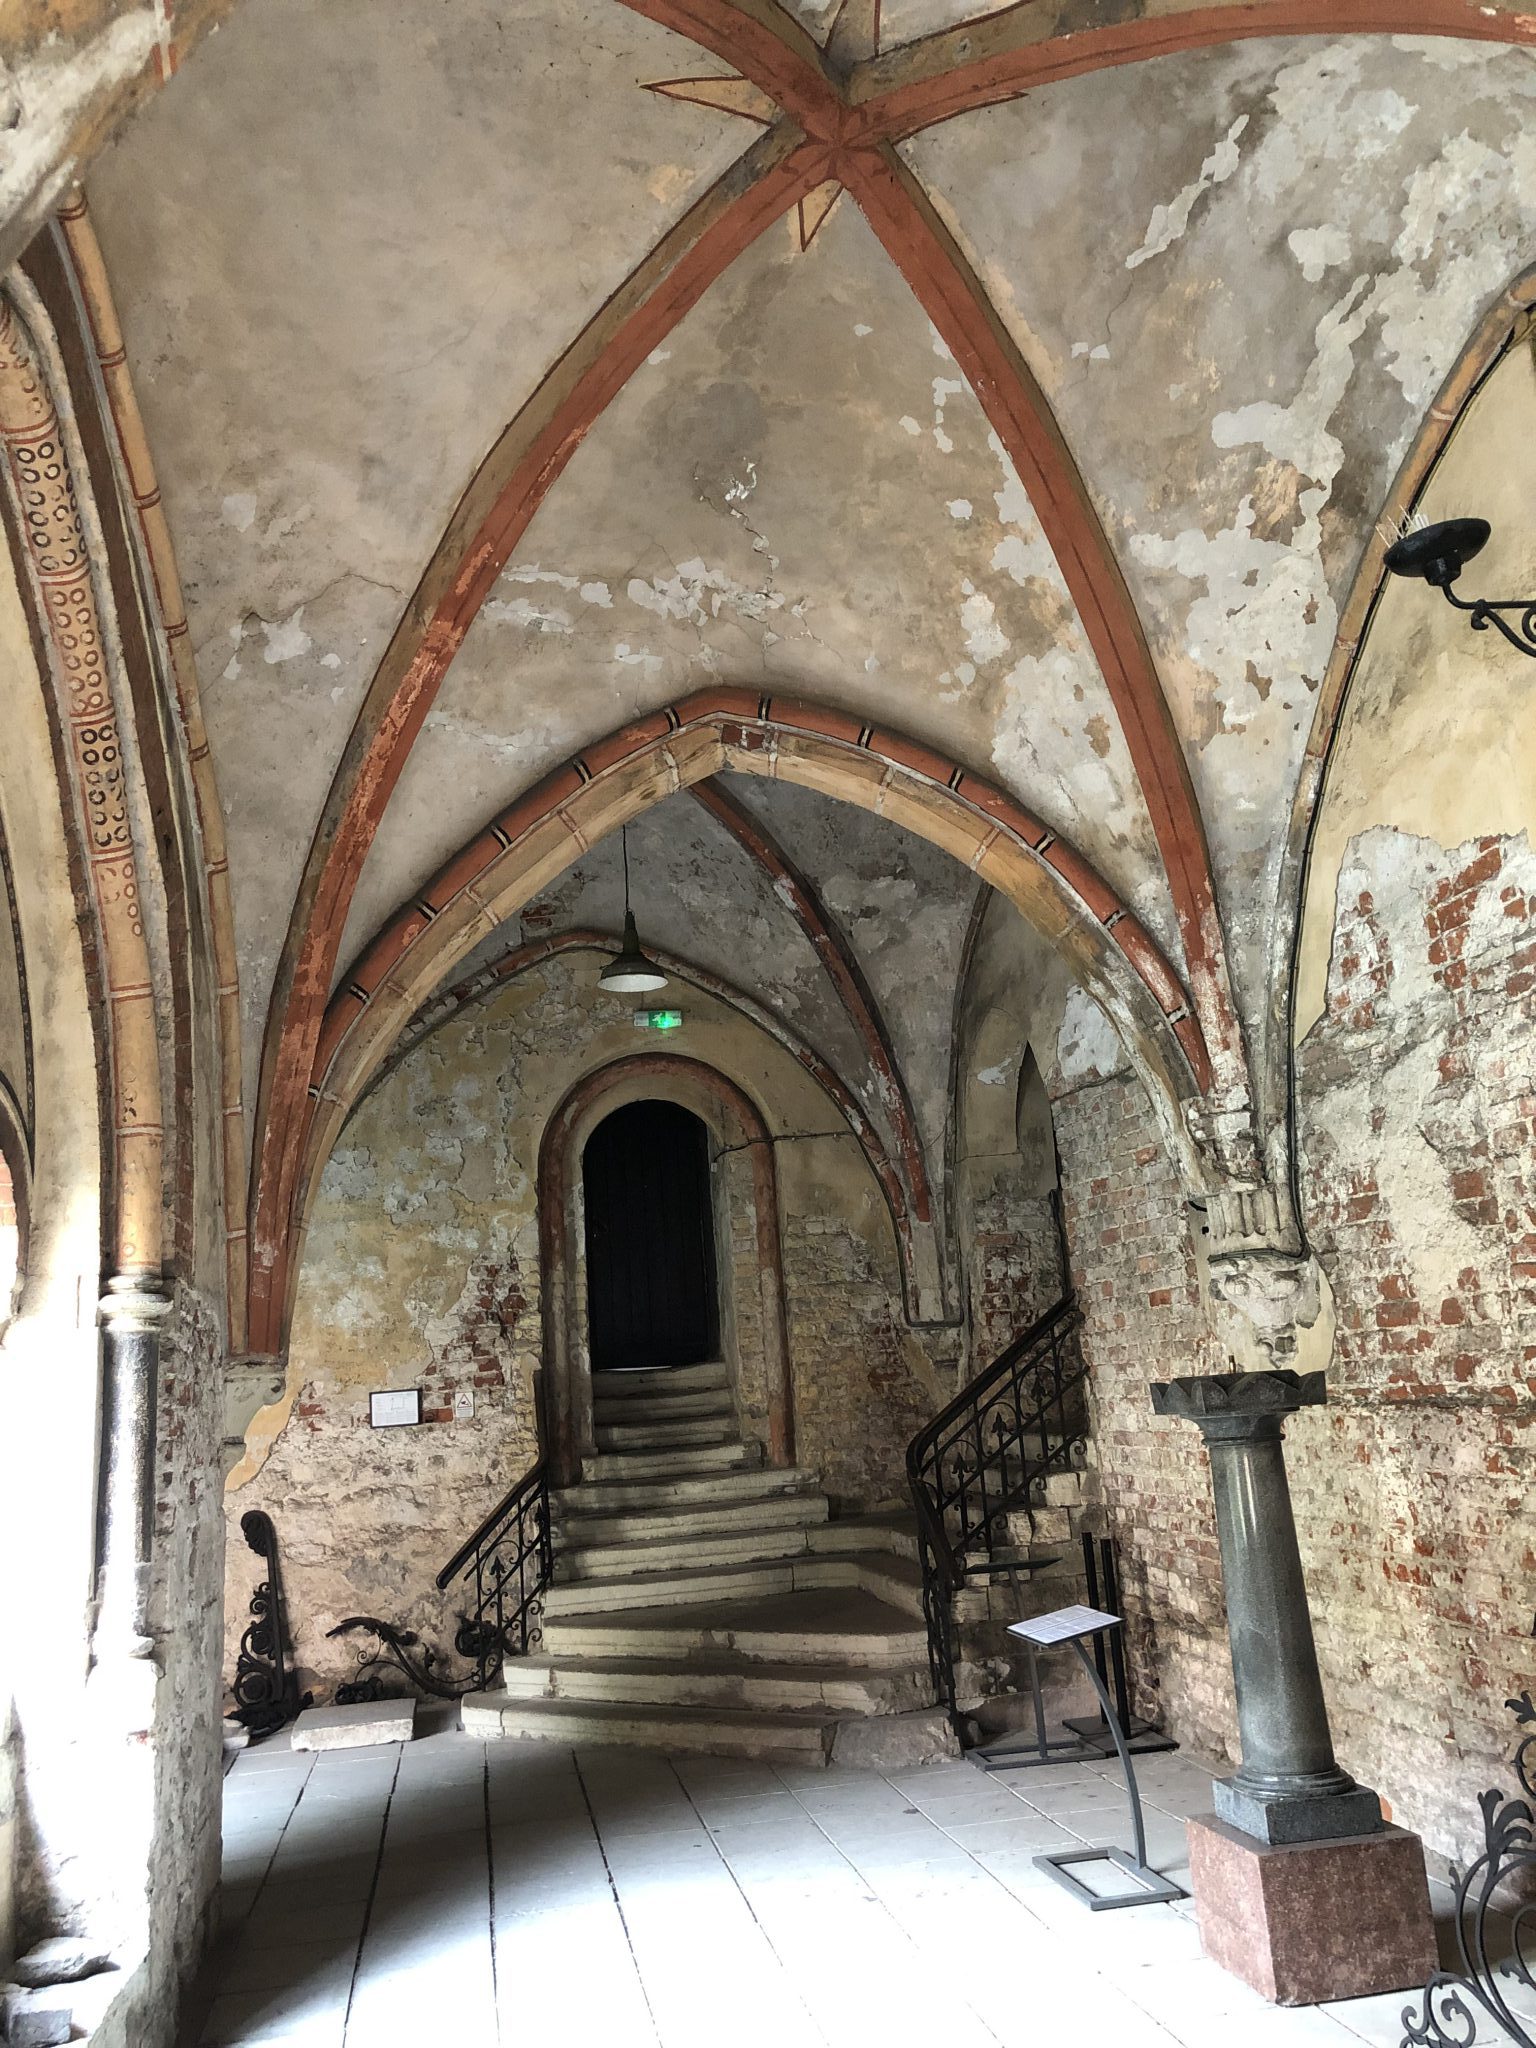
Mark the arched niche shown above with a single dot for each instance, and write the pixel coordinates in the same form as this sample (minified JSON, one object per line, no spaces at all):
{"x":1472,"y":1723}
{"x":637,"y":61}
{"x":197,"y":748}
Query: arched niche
{"x":754,"y":1334}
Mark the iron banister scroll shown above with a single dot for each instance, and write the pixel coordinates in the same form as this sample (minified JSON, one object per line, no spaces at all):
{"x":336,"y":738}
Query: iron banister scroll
{"x":510,"y":1560}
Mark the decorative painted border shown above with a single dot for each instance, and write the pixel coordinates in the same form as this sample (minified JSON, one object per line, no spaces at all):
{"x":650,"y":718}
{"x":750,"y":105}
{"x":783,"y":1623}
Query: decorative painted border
{"x":41,"y":470}
{"x":749,"y":725}
{"x":164,"y":597}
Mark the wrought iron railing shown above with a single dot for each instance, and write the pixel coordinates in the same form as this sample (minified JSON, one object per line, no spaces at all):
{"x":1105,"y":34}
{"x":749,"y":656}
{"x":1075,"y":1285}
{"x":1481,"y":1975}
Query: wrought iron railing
{"x":508,"y":1562}
{"x":986,"y":1456}
{"x":1496,"y":1950}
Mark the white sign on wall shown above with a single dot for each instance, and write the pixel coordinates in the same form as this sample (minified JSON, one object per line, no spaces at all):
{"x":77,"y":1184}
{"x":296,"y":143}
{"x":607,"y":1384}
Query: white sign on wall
{"x":395,"y":1409}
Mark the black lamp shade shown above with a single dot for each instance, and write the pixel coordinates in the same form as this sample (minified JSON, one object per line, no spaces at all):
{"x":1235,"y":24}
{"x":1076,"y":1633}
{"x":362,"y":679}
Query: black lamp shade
{"x":1438,"y":553}
{"x":630,"y":972}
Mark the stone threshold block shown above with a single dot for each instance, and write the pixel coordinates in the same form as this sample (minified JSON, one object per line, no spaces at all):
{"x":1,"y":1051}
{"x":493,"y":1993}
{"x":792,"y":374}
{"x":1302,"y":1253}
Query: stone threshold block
{"x":356,"y":1727}
{"x":1307,"y":1921}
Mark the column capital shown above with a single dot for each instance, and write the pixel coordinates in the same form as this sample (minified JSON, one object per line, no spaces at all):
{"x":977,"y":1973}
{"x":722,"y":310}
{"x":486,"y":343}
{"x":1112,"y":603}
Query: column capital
{"x":1235,"y":1404}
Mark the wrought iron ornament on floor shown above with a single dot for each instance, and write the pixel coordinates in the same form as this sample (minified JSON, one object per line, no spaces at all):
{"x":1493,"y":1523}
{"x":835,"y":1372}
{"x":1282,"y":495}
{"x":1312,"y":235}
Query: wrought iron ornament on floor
{"x":266,"y":1692}
{"x":1454,"y":2001}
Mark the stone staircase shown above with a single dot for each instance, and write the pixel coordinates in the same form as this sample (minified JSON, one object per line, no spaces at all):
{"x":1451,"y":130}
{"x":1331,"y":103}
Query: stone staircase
{"x":704,"y":1601}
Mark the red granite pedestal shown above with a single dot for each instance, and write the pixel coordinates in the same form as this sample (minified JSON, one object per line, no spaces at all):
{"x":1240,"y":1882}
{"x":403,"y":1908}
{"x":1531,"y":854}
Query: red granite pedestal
{"x":1309,"y":1921}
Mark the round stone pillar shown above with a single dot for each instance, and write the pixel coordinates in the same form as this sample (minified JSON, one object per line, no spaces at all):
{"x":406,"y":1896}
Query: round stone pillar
{"x":132,"y":1313}
{"x":1288,"y":1788}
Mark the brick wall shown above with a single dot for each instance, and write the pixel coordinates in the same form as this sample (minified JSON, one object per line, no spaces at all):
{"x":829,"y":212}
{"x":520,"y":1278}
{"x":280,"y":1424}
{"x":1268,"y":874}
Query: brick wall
{"x":1414,"y":1487}
{"x":1134,"y":1272}
{"x":863,"y":1384}
{"x":1418,"y":1115}
{"x":1013,"y":1262}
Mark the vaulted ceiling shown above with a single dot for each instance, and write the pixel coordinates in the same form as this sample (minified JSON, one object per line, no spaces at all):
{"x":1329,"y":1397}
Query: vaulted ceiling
{"x":1026,"y":386}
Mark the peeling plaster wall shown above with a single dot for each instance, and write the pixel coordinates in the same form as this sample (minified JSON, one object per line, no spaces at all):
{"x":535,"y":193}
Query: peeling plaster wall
{"x":1418,"y":1104}
{"x":1417,"y":1094}
{"x":422,"y":1269}
{"x":1144,"y":1318}
{"x":1285,"y":263}
{"x":1413,"y":1488}
{"x":1006,"y":1169}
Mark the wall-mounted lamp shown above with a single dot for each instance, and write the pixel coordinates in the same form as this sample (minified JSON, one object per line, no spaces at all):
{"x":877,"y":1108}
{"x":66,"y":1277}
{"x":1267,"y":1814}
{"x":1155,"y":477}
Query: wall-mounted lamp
{"x":630,"y":972}
{"x":1439,"y":553}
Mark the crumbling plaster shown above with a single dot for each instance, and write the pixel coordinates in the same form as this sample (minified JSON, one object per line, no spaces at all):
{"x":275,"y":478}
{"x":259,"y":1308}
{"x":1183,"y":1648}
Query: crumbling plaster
{"x":329,"y":318}
{"x":1239,"y":341}
{"x":1415,"y":1083}
{"x":70,"y":71}
{"x":1432,"y":739}
{"x":422,"y":1268}
{"x":698,"y":894}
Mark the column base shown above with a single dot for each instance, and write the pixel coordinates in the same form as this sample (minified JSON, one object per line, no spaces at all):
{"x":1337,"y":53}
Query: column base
{"x":1299,"y":1817}
{"x":1309,"y":1921}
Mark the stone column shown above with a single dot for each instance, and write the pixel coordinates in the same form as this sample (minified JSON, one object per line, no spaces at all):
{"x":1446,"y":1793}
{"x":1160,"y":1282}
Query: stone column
{"x":1288,"y":1788}
{"x":132,"y":1312}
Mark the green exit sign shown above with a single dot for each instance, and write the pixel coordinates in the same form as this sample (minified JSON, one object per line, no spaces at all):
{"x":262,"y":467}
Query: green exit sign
{"x":658,"y":1020}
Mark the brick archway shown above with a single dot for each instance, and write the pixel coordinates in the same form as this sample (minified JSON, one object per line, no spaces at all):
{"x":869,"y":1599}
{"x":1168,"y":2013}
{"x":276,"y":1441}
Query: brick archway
{"x":760,"y":1369}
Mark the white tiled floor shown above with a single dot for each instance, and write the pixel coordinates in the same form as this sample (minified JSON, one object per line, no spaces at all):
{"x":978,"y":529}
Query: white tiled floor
{"x":485,"y":1894}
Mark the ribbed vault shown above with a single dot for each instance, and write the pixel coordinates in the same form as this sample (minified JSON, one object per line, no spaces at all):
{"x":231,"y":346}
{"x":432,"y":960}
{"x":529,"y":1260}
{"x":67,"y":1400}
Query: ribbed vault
{"x":572,"y":397}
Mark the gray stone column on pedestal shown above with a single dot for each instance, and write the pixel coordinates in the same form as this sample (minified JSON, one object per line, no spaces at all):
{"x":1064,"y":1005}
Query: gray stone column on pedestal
{"x":132,"y":1312}
{"x":1288,"y":1788}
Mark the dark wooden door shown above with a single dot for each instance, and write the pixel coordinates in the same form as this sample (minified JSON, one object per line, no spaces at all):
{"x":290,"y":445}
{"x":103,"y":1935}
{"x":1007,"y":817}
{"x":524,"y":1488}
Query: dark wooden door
{"x":650,"y":1239}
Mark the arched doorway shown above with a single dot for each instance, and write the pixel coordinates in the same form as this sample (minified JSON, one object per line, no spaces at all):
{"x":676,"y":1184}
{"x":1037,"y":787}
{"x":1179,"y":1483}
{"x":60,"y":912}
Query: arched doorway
{"x":753,"y":1334}
{"x":652,"y":1299}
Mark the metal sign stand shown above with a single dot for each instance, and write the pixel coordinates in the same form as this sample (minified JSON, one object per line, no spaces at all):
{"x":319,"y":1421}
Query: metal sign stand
{"x":1089,"y":1739}
{"x":1075,"y":1625}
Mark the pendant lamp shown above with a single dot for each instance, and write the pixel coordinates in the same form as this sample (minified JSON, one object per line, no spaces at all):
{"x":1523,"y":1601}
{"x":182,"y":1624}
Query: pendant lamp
{"x":629,"y":972}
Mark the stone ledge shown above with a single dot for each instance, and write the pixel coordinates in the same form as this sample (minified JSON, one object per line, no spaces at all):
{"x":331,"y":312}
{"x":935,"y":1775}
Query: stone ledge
{"x":355,"y":1727}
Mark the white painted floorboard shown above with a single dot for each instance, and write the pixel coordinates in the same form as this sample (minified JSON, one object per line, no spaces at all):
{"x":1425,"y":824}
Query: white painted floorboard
{"x":498,"y":1893}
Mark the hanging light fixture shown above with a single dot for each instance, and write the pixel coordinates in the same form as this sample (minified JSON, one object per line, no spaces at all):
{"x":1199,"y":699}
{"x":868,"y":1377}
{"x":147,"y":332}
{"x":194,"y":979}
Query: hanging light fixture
{"x":1439,"y":553}
{"x":629,"y":972}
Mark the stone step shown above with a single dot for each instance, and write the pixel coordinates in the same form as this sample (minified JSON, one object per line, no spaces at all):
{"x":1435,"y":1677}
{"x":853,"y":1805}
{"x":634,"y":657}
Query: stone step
{"x":839,"y":1627}
{"x":896,"y":1580}
{"x":696,"y":1552}
{"x":636,"y":1408}
{"x":675,"y":1494}
{"x":663,"y":1436}
{"x":670,"y":1379}
{"x":803,"y":1738}
{"x":668,"y":1519}
{"x":639,"y":1465}
{"x":721,"y":1680}
{"x":896,"y":1533}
